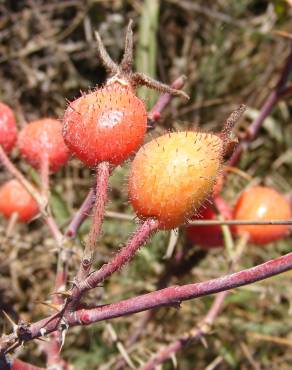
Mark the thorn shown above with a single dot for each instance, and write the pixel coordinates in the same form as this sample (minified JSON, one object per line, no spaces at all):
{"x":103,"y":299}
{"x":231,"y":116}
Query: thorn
{"x":13,"y":324}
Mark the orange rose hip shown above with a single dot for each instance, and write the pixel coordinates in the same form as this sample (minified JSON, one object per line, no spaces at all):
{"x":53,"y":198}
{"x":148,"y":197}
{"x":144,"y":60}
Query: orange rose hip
{"x":262,"y":203}
{"x":172,"y":175}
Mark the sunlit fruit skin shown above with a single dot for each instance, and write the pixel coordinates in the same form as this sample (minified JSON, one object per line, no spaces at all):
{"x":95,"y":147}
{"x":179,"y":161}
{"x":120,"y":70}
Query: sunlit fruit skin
{"x":42,"y":140}
{"x":108,"y":124}
{"x":8,"y":131}
{"x":172,"y":175}
{"x":14,"y":198}
{"x":262,"y":203}
{"x":209,"y":236}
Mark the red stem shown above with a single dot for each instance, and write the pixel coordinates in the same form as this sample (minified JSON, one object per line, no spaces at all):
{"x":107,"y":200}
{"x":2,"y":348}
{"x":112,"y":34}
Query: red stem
{"x":81,"y":214}
{"x":163,"y":101}
{"x":166,"y":353}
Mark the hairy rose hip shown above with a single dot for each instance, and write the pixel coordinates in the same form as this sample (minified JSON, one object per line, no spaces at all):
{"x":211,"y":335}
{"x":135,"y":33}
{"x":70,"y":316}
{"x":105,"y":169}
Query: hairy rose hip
{"x":172,"y":175}
{"x":262,"y":203}
{"x":105,"y":125}
{"x":8,"y":131}
{"x":109,"y":124}
{"x":14,"y":198}
{"x":42,"y":140}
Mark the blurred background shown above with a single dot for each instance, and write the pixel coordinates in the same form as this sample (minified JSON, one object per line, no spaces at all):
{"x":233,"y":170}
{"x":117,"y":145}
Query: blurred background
{"x":232,"y":52}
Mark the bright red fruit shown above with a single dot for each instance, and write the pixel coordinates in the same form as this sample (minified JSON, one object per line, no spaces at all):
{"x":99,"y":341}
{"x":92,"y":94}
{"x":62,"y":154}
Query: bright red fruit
{"x":208,"y":236}
{"x":8,"y":131}
{"x":108,"y":125}
{"x":262,"y":203}
{"x":41,"y":140}
{"x":14,"y":198}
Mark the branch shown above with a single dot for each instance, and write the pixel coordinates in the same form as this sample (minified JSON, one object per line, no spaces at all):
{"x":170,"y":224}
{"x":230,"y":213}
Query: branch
{"x":165,"y":297}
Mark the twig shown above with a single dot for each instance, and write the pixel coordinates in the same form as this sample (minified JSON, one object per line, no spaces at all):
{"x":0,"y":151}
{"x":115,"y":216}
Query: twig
{"x":277,"y":93}
{"x":202,"y":329}
{"x":81,"y":214}
{"x":163,"y":101}
{"x":102,"y":178}
{"x":240,"y":222}
{"x":139,"y":238}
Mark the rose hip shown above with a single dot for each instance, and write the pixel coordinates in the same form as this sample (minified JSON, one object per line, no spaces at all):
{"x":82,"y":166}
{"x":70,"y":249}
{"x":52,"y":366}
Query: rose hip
{"x":8,"y":131}
{"x":262,"y":203}
{"x":42,"y":140}
{"x":172,"y":175}
{"x":107,"y":125}
{"x":14,"y":198}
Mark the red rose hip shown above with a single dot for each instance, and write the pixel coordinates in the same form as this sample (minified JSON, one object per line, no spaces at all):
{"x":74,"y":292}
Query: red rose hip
{"x":209,"y":236}
{"x":8,"y":131}
{"x":14,"y":198}
{"x":42,"y":140}
{"x":107,"y":125}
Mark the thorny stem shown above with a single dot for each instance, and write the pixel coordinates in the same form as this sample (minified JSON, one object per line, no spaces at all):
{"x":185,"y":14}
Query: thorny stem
{"x":81,"y":214}
{"x":277,"y":93}
{"x":140,"y":237}
{"x":102,"y":178}
{"x":171,"y":296}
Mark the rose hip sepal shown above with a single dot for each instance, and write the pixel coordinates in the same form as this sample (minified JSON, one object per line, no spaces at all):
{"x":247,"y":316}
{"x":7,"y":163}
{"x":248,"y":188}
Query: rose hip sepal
{"x":42,"y":140}
{"x":14,"y":198}
{"x":262,"y":203}
{"x":8,"y":131}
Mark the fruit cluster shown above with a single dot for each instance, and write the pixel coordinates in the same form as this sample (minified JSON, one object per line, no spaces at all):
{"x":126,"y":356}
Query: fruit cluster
{"x":172,"y":177}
